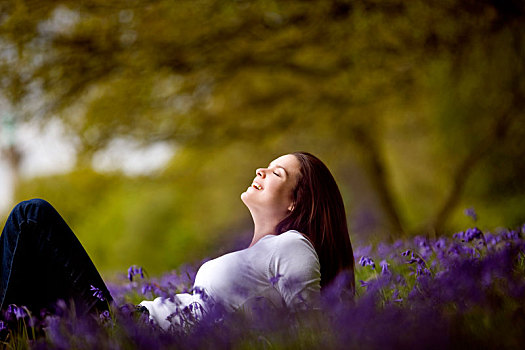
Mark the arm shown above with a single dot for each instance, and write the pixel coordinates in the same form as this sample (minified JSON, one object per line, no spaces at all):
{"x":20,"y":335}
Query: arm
{"x":295,"y":271}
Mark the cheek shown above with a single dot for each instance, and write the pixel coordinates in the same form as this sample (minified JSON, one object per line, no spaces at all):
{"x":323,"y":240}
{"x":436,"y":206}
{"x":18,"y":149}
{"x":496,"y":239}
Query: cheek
{"x":285,"y":195}
{"x":275,"y":193}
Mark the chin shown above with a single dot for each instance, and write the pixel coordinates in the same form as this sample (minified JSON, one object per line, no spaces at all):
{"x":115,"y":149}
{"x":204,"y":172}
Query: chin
{"x":244,"y":196}
{"x":247,"y":199}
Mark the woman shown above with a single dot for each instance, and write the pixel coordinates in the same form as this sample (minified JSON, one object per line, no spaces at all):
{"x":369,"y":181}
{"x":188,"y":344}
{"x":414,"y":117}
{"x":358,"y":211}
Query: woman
{"x":300,"y":243}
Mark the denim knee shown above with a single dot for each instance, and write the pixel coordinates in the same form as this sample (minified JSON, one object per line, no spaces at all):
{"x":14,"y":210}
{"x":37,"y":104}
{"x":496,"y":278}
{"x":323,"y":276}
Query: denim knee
{"x":32,"y":210}
{"x":35,"y":202}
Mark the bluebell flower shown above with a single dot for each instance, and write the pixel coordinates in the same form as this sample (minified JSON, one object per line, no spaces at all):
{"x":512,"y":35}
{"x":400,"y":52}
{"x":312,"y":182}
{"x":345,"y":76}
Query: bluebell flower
{"x":395,"y":296}
{"x":491,"y":240}
{"x":421,"y":270}
{"x":473,"y":233}
{"x":511,"y":235}
{"x":420,"y":241}
{"x":105,"y":316}
{"x":16,"y":311}
{"x":97,"y":293}
{"x":440,"y":243}
{"x":459,"y":236}
{"x":384,"y":267}
{"x":470,"y":212}
{"x":194,"y":307}
{"x":147,"y":287}
{"x":453,"y":276}
{"x":202,"y":292}
{"x":367,"y":261}
{"x":134,"y":270}
{"x":171,"y":316}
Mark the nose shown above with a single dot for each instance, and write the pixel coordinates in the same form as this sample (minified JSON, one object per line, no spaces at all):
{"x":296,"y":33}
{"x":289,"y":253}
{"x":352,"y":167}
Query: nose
{"x":261,"y":172}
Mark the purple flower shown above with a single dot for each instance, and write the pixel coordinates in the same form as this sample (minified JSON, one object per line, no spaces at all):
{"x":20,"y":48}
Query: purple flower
{"x":473,"y":233}
{"x":16,"y":311}
{"x":147,"y":287}
{"x":413,"y":257}
{"x":459,"y":236}
{"x":491,"y":239}
{"x":367,"y":261}
{"x":105,"y":316}
{"x":395,"y":296}
{"x":384,"y":267}
{"x":420,"y":241}
{"x":97,"y":293}
{"x":134,"y":270}
{"x":511,"y":235}
{"x":449,"y":275}
{"x":440,"y":243}
{"x":195,"y":307}
{"x":421,"y":270}
{"x":201,"y":292}
{"x":470,"y":212}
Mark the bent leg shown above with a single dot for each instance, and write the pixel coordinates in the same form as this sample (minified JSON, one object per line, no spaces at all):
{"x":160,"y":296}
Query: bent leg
{"x":42,"y":261}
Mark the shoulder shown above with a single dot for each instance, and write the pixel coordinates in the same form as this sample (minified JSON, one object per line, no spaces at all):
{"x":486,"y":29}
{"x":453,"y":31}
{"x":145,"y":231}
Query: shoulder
{"x":294,"y":237}
{"x":293,"y":241}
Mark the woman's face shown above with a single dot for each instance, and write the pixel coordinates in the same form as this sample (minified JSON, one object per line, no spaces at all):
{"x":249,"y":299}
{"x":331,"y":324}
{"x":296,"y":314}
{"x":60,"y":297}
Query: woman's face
{"x":271,"y":192}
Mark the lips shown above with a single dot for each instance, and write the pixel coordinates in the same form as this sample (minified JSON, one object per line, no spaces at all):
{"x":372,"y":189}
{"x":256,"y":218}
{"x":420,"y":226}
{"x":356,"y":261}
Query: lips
{"x":257,"y":186}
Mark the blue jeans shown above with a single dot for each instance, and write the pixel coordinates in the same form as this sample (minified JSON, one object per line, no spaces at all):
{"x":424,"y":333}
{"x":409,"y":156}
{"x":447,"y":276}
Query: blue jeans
{"x":43,"y":262}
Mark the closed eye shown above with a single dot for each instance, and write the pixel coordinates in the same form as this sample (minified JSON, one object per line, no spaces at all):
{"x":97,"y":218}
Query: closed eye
{"x":276,"y":174}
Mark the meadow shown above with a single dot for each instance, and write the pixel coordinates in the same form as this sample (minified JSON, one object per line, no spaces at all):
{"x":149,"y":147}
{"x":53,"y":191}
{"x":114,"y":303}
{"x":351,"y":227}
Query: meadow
{"x":464,"y":291}
{"x":417,"y":108}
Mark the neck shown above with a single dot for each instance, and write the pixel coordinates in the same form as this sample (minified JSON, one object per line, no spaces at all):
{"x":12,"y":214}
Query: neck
{"x":263,"y":227}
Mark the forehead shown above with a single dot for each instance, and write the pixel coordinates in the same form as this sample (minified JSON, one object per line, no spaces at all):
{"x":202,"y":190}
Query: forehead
{"x":289,"y":162}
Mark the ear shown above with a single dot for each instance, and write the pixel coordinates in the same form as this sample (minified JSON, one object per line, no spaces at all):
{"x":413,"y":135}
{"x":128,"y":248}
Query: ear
{"x":291,"y":207}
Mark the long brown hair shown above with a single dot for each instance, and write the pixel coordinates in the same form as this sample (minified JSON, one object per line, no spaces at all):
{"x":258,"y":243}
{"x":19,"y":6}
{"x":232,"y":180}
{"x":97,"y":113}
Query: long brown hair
{"x":319,"y":213}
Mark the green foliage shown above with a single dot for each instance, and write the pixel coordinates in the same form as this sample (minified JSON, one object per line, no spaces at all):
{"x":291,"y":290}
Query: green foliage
{"x":416,"y":106}
{"x":185,"y":214}
{"x":124,"y":221}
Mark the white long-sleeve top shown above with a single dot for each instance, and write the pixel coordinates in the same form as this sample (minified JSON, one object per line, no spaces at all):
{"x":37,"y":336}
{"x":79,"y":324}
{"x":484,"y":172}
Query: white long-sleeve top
{"x":284,"y":269}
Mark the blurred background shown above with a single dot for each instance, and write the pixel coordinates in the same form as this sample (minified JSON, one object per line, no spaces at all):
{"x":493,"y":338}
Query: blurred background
{"x":142,"y":121}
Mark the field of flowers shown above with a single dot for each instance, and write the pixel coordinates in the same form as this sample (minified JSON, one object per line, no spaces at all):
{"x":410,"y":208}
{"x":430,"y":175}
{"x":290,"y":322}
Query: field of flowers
{"x":466,"y":291}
